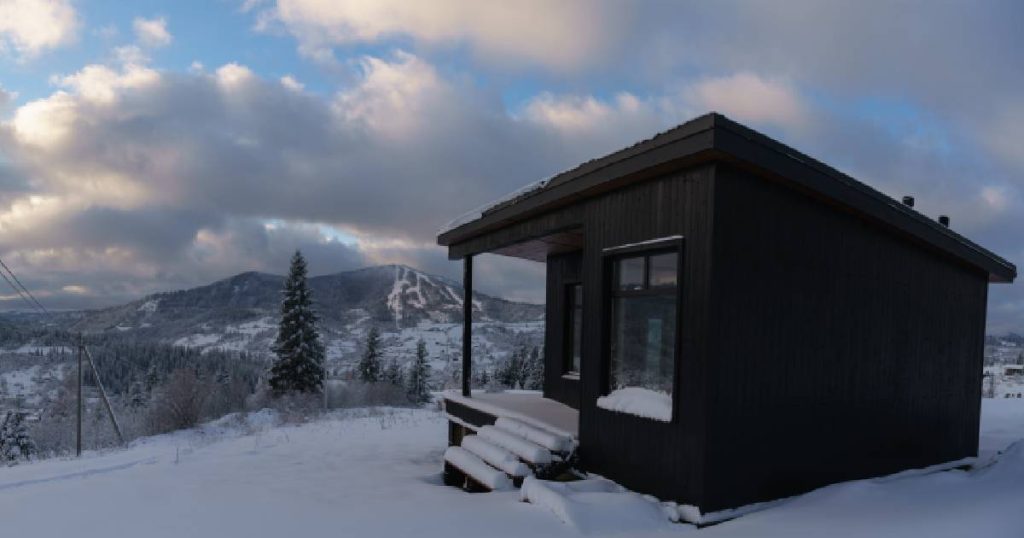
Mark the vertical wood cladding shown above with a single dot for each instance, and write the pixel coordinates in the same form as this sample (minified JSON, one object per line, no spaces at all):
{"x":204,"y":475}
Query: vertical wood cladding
{"x":840,"y":350}
{"x":562,"y":270}
{"x":663,"y":459}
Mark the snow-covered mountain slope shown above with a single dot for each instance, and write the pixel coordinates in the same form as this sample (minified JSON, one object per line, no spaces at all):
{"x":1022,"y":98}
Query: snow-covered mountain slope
{"x":377,"y":473}
{"x":241,"y":313}
{"x":394,"y":295}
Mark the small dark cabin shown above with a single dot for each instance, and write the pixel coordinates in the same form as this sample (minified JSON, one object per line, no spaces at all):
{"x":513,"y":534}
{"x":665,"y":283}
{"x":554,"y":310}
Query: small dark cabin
{"x":737,"y":322}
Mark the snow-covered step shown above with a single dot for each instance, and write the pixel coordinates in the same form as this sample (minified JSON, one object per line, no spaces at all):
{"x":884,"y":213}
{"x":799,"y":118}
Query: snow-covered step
{"x":544,"y":438}
{"x":495,"y":456}
{"x":528,"y":451}
{"x":477,"y":469}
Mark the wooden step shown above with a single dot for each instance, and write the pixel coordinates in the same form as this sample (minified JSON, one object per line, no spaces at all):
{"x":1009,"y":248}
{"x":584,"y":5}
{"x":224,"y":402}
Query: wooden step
{"x":476,"y":469}
{"x":526,"y":450}
{"x":496,"y":456}
{"x":544,"y":438}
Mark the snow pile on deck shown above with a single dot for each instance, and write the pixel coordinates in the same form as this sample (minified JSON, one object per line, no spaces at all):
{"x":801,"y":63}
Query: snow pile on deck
{"x":544,"y":438}
{"x":495,"y":455}
{"x":640,"y":402}
{"x":596,"y":505}
{"x":475,"y":467}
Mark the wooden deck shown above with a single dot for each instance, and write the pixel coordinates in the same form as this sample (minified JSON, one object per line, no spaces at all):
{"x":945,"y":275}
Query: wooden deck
{"x":483,"y":408}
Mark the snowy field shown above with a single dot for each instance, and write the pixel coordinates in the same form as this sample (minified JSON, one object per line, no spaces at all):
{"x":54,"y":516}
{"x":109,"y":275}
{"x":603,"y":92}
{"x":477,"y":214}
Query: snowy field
{"x":376,"y":473}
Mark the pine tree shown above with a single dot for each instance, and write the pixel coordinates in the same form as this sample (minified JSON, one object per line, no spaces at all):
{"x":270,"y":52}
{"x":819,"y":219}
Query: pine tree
{"x":300,"y":354}
{"x":15,"y":443}
{"x":393,"y":373}
{"x":152,"y":379}
{"x":534,"y":370}
{"x":419,"y":375}
{"x":512,"y":371}
{"x":369,"y":366}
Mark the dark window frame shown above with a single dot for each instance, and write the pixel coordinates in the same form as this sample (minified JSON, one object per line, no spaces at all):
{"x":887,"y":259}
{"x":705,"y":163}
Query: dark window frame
{"x":569,"y":328}
{"x":609,"y":292}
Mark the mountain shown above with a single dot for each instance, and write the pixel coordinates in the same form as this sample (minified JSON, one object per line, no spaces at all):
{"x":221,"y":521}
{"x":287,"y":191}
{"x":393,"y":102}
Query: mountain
{"x":406,"y":304}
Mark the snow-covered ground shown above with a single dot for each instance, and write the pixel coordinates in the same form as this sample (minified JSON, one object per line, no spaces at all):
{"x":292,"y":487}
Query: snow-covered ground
{"x":377,"y":473}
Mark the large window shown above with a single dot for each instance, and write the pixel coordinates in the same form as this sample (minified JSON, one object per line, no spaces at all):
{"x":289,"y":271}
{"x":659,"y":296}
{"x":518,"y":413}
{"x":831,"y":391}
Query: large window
{"x":643,"y":329}
{"x":573,"y":327}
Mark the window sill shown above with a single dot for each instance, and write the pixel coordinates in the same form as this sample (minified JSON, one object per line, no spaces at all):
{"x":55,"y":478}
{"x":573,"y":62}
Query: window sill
{"x":571,"y":376}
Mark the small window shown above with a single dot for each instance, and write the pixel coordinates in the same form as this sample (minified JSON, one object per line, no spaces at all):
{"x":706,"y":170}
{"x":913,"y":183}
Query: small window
{"x":643,"y":328}
{"x":662,"y":270}
{"x":630,"y":273}
{"x":574,"y":328}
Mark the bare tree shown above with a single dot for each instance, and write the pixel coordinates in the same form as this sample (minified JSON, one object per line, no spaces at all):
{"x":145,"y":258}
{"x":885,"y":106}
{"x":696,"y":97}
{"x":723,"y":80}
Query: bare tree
{"x":181,"y":402}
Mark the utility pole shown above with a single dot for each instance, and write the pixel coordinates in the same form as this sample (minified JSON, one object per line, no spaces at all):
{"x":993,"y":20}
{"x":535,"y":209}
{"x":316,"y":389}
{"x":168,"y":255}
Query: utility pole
{"x":78,"y":436}
{"x":103,"y":394}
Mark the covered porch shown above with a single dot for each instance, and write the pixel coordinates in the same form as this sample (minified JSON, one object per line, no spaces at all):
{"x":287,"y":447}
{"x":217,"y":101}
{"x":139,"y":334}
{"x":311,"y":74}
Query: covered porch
{"x":553,"y":248}
{"x":497,"y":439}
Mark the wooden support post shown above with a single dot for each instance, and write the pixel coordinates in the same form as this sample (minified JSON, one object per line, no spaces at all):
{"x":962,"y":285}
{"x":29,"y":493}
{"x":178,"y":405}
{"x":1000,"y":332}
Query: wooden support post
{"x":78,"y":431}
{"x":103,"y":394}
{"x":467,"y":324}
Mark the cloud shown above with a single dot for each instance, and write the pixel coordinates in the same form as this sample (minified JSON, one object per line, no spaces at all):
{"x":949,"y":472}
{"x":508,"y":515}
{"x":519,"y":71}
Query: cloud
{"x":916,"y":99}
{"x":128,"y":180}
{"x":6,"y":98}
{"x":563,"y":35}
{"x":33,"y":26}
{"x":291,"y":83}
{"x":152,"y":33}
{"x":750,"y":98}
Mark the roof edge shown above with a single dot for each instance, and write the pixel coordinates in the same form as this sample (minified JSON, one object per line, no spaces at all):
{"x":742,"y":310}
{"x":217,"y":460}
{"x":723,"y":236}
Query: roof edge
{"x":713,"y":136}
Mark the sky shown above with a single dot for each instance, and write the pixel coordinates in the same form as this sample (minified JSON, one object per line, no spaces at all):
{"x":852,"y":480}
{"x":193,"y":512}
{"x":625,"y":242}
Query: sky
{"x":148,"y":146}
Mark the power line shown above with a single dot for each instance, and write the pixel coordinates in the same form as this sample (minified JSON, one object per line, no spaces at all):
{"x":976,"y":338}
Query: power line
{"x":16,"y":290}
{"x":82,"y":350}
{"x":15,"y":277}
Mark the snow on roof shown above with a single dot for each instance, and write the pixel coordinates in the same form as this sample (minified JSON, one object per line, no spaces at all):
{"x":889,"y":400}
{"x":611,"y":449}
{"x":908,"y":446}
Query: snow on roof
{"x":511,"y":197}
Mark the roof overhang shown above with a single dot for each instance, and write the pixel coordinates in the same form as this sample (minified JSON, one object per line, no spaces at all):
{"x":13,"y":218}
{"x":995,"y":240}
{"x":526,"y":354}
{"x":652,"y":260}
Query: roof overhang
{"x":714,"y":137}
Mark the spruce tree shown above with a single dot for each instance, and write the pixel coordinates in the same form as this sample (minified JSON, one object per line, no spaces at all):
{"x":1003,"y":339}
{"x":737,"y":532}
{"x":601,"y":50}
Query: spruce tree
{"x":512,"y":371}
{"x":535,"y":370}
{"x":393,"y":373}
{"x":369,"y":366}
{"x":299,"y":366}
{"x":419,"y":376}
{"x":15,"y":443}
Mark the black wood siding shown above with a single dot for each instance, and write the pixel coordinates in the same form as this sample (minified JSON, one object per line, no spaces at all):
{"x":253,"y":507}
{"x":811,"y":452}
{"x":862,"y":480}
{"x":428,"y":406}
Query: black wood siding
{"x":840,"y":349}
{"x":562,"y":270}
{"x":662,"y":459}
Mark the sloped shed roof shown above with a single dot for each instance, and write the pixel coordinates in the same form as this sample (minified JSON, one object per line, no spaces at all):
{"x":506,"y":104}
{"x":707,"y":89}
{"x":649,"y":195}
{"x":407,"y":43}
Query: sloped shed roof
{"x":715,"y":137}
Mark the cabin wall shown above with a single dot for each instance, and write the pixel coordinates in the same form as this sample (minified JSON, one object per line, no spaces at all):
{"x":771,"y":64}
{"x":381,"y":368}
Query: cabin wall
{"x":840,"y":350}
{"x":562,"y":270}
{"x":662,"y":459}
